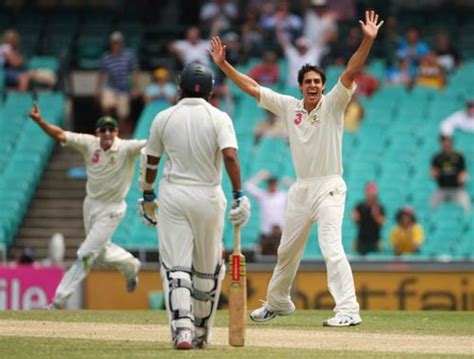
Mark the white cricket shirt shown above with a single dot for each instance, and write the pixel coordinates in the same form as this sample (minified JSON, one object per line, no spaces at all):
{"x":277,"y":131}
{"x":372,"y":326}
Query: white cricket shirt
{"x":109,"y":173}
{"x":315,"y":138}
{"x":193,"y":134}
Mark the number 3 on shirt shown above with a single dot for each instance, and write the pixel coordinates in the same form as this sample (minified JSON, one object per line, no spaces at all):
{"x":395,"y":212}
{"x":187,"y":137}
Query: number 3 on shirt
{"x":298,"y":119}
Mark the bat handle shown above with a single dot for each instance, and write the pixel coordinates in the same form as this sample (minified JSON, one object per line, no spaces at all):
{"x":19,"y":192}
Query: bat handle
{"x":237,"y":239}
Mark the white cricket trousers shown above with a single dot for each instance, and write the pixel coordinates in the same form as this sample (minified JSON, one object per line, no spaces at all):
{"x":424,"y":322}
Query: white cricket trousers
{"x":190,"y":228}
{"x":100,"y":221}
{"x":319,"y":200}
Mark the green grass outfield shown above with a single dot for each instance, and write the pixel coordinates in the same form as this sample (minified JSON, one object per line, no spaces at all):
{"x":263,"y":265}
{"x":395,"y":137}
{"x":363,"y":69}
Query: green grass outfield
{"x":100,"y":334}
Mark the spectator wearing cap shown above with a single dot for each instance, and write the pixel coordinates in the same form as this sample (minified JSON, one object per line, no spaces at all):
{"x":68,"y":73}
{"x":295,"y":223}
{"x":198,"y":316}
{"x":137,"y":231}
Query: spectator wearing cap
{"x":272,"y":203}
{"x":369,"y":215}
{"x":161,"y":89}
{"x":407,"y":235}
{"x":297,"y":56}
{"x":460,"y":120}
{"x":448,"y":169}
{"x":272,"y":126}
{"x":118,"y":81}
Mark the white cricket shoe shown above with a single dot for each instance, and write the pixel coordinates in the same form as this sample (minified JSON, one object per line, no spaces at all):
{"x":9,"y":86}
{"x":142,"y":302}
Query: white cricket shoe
{"x":133,"y":281}
{"x":183,"y":338}
{"x":343,"y":320}
{"x":263,"y":314}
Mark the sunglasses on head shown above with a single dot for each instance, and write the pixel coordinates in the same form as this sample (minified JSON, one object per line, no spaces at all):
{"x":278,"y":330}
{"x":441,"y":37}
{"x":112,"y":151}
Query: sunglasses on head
{"x":105,"y":129}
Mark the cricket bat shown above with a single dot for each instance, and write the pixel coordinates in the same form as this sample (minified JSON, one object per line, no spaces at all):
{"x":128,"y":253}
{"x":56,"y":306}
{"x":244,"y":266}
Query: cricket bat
{"x":237,"y":294}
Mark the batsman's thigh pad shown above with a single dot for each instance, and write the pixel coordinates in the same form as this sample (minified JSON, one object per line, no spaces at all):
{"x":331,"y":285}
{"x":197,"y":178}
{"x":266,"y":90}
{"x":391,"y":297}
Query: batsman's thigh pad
{"x":178,"y":289}
{"x":206,"y":292}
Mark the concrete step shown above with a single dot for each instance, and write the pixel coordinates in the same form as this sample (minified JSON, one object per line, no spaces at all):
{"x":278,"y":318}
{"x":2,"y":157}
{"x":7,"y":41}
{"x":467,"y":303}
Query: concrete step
{"x":60,"y":193}
{"x":40,"y":232}
{"x":64,"y":204}
{"x":54,"y":183}
{"x":53,"y":222}
{"x":44,"y":242}
{"x":56,"y":212}
{"x":42,"y":252}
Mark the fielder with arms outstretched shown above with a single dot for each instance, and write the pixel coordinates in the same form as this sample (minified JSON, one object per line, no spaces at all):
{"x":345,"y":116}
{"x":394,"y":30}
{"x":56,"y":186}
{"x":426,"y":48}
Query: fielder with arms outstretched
{"x":109,"y":164}
{"x":315,"y":127}
{"x":196,"y":137}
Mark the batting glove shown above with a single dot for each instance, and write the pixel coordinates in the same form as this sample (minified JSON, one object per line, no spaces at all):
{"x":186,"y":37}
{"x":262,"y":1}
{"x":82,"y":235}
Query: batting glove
{"x":148,"y":209}
{"x":240,"y":213}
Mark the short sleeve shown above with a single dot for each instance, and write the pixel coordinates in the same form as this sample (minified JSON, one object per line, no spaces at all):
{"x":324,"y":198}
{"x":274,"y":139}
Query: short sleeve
{"x":154,"y":146}
{"x":135,"y":146}
{"x":435,"y":162}
{"x":79,"y":141}
{"x":274,"y":102}
{"x":339,"y":97}
{"x":225,"y":133}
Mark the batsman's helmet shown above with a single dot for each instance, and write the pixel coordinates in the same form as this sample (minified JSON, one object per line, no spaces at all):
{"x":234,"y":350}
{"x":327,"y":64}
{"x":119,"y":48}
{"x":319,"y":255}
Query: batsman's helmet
{"x":196,"y":80}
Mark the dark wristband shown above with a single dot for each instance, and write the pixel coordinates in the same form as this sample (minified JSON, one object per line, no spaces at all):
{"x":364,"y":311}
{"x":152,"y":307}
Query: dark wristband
{"x":149,"y":197}
{"x":237,"y":194}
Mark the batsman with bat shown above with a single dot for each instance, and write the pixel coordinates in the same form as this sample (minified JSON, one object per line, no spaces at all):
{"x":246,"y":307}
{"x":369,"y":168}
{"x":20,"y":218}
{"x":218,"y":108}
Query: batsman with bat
{"x":196,"y":138}
{"x":315,"y":127}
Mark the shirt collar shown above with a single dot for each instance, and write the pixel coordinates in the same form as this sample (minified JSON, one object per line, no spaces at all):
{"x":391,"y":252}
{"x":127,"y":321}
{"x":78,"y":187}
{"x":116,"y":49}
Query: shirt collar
{"x":192,"y":101}
{"x":300,"y":104}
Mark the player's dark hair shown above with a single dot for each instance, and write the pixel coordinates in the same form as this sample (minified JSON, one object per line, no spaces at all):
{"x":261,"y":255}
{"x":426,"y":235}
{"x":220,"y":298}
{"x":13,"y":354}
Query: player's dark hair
{"x":307,"y":68}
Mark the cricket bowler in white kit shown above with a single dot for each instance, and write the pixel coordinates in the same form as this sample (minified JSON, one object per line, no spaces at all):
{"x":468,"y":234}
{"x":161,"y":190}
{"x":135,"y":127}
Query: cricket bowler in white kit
{"x":109,"y":164}
{"x":196,"y":138}
{"x":315,"y":128}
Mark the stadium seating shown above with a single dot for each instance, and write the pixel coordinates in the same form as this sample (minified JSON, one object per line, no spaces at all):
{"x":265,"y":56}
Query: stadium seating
{"x":25,"y":152}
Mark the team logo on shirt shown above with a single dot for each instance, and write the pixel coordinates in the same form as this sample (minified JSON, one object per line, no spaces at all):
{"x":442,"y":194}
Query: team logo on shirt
{"x":95,"y":157}
{"x":112,"y":160}
{"x":314,"y":120}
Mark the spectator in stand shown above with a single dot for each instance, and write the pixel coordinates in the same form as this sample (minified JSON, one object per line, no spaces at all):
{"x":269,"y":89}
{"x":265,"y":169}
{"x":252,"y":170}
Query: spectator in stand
{"x":272,"y":203}
{"x":430,"y":73}
{"x":366,"y":83}
{"x":448,"y":169}
{"x":407,"y":236}
{"x":460,"y":120}
{"x":269,"y":244}
{"x":320,"y":25}
{"x":235,"y":52}
{"x":13,"y":62}
{"x":369,"y":216}
{"x":340,"y":54}
{"x":448,"y":57}
{"x":161,"y":89}
{"x":289,"y":23}
{"x":218,"y":10}
{"x":297,"y":56}
{"x":267,"y":72}
{"x":344,"y":10}
{"x":191,"y":49}
{"x":252,"y":34}
{"x":399,"y":74}
{"x":272,"y":127}
{"x":353,"y":115}
{"x":117,"y":82}
{"x":413,"y":49}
